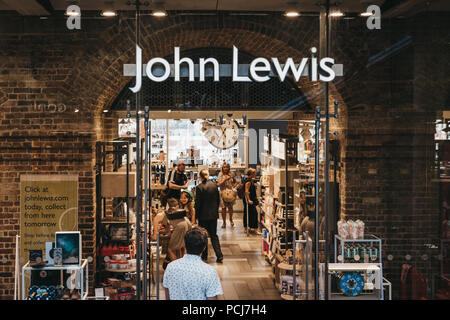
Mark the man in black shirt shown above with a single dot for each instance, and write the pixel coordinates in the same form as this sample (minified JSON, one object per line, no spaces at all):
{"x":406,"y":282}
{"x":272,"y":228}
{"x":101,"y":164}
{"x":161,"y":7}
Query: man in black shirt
{"x":177,"y":181}
{"x":207,"y":200}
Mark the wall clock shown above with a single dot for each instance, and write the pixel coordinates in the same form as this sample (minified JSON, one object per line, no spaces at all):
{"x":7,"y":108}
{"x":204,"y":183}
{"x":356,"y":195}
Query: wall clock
{"x":222,"y":136}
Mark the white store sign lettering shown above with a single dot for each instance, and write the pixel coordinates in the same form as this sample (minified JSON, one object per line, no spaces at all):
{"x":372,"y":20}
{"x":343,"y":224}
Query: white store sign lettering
{"x":260,"y":70}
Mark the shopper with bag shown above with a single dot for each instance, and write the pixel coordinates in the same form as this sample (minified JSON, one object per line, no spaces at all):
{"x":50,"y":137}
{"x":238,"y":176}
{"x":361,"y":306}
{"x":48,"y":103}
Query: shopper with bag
{"x":227,"y":185}
{"x":180,"y":226}
{"x":250,"y":202}
{"x":207,"y":200}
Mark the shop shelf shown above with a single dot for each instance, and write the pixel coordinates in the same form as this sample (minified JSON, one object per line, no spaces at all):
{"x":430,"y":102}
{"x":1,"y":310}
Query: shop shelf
{"x":82,"y":269}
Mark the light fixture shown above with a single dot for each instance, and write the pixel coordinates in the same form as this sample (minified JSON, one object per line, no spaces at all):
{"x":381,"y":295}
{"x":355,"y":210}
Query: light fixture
{"x":109,"y":9}
{"x":159,"y":13}
{"x":77,"y":110}
{"x":72,"y":13}
{"x":169,"y":111}
{"x":366,"y":14}
{"x":109,"y":13}
{"x":291,"y":14}
{"x":337,"y":14}
{"x":105,"y":110}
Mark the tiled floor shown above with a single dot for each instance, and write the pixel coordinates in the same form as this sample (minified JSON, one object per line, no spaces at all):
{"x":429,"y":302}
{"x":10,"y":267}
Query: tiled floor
{"x":245,"y":273}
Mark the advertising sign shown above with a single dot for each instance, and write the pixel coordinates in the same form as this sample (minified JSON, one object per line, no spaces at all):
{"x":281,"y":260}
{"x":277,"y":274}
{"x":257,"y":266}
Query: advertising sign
{"x":48,"y":203}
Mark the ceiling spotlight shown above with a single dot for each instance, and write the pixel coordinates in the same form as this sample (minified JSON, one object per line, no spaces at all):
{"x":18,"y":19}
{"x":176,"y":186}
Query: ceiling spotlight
{"x":169,"y":111}
{"x":72,"y":13}
{"x":77,"y":110}
{"x":366,"y":14}
{"x":109,"y":13}
{"x":291,"y":14}
{"x":108,"y":10}
{"x":105,"y":110}
{"x":337,"y":14}
{"x":159,"y":13}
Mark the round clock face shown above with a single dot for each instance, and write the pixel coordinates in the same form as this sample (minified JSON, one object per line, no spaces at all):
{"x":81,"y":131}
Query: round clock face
{"x":224,"y":136}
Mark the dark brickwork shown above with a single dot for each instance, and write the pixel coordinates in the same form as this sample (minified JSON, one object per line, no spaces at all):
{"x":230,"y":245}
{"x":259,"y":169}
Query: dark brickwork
{"x":384,"y":123}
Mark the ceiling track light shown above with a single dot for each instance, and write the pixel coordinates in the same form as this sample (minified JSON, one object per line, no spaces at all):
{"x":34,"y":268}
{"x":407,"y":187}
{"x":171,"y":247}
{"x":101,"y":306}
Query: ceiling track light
{"x":109,"y":13}
{"x":337,"y":14}
{"x":291,"y":14}
{"x":366,"y":14}
{"x":109,"y":10}
{"x":72,"y":12}
{"x":159,"y":13}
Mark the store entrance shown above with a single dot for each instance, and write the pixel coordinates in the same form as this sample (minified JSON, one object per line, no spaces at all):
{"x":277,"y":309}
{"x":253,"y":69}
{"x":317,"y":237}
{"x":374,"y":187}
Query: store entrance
{"x":246,"y":273}
{"x":206,"y":125}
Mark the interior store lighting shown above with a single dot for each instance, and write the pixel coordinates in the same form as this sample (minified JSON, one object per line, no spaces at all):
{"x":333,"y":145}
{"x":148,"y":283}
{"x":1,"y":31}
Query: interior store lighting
{"x":72,"y":13}
{"x":77,"y":110}
{"x":109,"y":13}
{"x":159,"y":13}
{"x":337,"y":14}
{"x":291,"y":14}
{"x":105,"y":110}
{"x":366,"y":14}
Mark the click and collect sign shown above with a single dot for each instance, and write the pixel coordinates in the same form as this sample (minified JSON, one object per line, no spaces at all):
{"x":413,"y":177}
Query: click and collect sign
{"x":48,"y":203}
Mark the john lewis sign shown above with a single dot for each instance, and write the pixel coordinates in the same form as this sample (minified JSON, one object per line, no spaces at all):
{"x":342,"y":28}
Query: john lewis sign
{"x":259,"y":70}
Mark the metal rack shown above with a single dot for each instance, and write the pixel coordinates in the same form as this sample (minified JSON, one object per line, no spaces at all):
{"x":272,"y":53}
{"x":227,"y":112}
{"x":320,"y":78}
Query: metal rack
{"x":119,"y":149}
{"x":372,"y":240}
{"x":84,"y":278}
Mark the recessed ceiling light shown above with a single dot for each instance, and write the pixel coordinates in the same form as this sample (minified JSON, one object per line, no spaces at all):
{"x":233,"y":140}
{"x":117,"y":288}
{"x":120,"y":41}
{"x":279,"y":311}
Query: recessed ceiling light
{"x":105,"y":111}
{"x":109,"y":13}
{"x":77,"y":110}
{"x":72,"y":13}
{"x":291,"y":14}
{"x":159,"y":13}
{"x":337,"y":14}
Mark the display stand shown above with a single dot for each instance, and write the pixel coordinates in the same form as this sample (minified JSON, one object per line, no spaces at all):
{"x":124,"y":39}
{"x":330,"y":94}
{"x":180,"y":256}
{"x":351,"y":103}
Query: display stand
{"x":82,"y":269}
{"x":110,"y":166}
{"x":362,"y":251}
{"x":301,"y":282}
{"x":277,"y":215}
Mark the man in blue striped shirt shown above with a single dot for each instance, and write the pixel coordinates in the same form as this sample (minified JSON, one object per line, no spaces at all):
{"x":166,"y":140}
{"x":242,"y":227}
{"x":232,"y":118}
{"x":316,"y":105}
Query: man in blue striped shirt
{"x":189,"y":278}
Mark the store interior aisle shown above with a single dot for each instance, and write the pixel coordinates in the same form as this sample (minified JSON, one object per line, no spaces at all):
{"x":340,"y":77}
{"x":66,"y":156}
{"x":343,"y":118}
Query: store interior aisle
{"x":245,"y":274}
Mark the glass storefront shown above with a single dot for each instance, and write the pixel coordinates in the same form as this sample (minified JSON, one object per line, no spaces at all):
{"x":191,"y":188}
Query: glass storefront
{"x":352,"y":177}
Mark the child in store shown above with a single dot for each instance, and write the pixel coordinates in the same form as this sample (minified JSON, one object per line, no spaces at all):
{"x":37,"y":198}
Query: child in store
{"x":186,"y":202}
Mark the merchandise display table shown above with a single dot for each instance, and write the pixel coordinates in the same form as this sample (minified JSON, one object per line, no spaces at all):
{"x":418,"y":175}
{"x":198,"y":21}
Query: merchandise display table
{"x":82,"y":269}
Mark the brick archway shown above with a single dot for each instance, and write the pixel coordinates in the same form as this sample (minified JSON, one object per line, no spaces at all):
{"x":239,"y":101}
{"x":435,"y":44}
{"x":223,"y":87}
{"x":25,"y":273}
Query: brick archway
{"x":99,"y":73}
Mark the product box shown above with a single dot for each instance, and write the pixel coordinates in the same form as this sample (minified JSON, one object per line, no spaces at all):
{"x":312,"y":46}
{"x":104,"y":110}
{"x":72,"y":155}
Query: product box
{"x":57,"y":257}
{"x":49,"y":253}
{"x":36,"y":258}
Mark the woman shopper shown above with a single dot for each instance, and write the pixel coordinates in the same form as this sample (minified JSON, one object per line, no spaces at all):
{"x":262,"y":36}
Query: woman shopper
{"x":181,"y":225}
{"x":186,"y":201}
{"x":227,"y":184}
{"x":250,"y":201}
